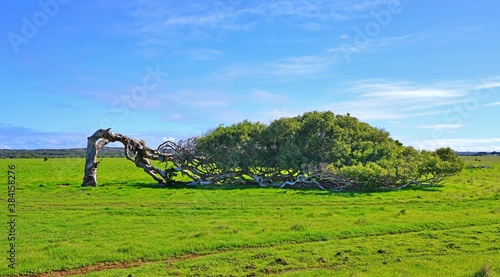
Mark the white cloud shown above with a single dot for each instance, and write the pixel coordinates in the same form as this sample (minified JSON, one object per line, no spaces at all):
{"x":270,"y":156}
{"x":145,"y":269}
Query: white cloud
{"x":302,"y":65}
{"x":175,"y":117}
{"x":235,"y":71}
{"x":442,"y":126}
{"x":278,"y":113}
{"x":382,"y":100}
{"x":396,"y":123}
{"x":312,"y":66}
{"x":359,"y":42}
{"x":197,"y":98}
{"x":169,"y":139}
{"x":312,"y":26}
{"x":203,"y":54}
{"x":401,"y":93}
{"x":461,"y":144}
{"x":265,"y":96}
{"x":492,"y":104}
{"x":191,"y":20}
{"x":27,"y":138}
{"x":489,"y":84}
{"x":167,"y":22}
{"x":319,"y":64}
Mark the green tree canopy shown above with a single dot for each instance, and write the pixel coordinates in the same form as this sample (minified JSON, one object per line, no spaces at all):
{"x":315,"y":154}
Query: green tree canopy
{"x":322,"y":148}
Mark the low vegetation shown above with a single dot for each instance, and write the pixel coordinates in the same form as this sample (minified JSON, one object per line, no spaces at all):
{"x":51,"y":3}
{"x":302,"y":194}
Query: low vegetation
{"x":130,"y":227}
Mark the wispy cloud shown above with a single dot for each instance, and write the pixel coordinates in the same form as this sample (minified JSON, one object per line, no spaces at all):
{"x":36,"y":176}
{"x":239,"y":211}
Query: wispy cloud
{"x":318,"y":65}
{"x":311,"y":66}
{"x":196,"y":98}
{"x":382,"y":100}
{"x":276,"y":113}
{"x":264,"y":96}
{"x":492,"y":104}
{"x":355,"y":44}
{"x":461,"y":144}
{"x":442,"y":126}
{"x":492,"y":82}
{"x":202,"y":54}
{"x":358,"y":43}
{"x":190,"y":21}
{"x":202,"y":109}
{"x":302,"y":65}
{"x":234,"y":72}
{"x":402,"y":92}
{"x":14,"y":137}
{"x":158,"y":22}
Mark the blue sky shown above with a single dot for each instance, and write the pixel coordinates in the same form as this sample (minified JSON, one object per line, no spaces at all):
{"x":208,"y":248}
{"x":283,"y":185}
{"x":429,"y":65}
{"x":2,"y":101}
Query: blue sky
{"x":426,"y":71}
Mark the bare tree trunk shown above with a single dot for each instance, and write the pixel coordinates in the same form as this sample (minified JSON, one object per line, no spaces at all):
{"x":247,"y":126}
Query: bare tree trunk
{"x":141,"y":155}
{"x":94,"y":144}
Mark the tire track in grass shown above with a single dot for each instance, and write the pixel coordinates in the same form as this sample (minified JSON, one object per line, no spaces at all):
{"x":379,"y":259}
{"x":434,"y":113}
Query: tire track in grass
{"x":103,"y":266}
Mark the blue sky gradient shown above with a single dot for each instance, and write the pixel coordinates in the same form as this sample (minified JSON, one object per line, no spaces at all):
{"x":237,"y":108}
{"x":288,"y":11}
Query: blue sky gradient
{"x":426,"y":71}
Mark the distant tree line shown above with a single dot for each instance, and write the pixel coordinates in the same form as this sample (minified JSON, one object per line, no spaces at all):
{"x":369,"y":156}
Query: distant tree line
{"x":107,"y":152}
{"x":316,"y":149}
{"x":494,"y":153}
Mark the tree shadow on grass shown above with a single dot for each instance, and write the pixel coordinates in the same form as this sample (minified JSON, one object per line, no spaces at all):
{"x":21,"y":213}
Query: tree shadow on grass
{"x":194,"y":187}
{"x":297,"y":191}
{"x":358,"y":193}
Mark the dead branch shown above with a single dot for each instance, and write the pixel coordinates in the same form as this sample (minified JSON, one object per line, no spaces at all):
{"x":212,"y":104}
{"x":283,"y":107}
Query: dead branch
{"x":141,"y":155}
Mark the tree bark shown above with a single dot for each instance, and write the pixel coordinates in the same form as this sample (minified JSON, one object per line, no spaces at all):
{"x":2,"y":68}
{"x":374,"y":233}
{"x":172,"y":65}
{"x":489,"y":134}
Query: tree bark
{"x":141,"y":156}
{"x":94,"y":144}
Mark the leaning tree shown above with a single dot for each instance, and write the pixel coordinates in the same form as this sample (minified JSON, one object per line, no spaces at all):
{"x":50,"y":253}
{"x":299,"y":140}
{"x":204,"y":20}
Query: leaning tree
{"x":318,"y":149}
{"x":140,"y":155}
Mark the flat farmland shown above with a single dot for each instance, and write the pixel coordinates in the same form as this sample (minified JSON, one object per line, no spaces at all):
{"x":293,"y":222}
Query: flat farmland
{"x":129,"y":226}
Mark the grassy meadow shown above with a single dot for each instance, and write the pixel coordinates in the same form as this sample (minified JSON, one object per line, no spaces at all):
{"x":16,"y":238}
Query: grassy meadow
{"x":128,"y":226}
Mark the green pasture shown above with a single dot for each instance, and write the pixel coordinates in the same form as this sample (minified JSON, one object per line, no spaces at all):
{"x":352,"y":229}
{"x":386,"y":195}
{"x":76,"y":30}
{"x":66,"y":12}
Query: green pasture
{"x":129,"y":226}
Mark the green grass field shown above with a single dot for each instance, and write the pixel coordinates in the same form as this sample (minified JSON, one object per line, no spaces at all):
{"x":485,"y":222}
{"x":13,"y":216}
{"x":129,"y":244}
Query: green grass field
{"x":127,"y":226}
